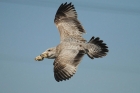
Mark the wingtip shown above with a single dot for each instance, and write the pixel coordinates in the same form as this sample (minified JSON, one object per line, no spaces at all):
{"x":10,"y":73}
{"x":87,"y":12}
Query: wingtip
{"x":66,"y":9}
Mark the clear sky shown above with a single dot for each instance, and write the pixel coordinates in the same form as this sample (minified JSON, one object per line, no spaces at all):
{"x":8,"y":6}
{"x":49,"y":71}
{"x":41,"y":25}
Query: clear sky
{"x":27,"y":29}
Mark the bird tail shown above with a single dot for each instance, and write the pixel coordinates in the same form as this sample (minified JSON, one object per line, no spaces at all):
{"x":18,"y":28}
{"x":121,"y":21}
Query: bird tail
{"x":96,"y":48}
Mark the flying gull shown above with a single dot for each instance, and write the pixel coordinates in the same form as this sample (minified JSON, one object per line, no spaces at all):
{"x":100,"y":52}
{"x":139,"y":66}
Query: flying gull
{"x":73,"y":46}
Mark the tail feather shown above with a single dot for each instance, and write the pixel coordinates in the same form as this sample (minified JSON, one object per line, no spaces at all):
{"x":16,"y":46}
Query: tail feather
{"x":96,"y":48}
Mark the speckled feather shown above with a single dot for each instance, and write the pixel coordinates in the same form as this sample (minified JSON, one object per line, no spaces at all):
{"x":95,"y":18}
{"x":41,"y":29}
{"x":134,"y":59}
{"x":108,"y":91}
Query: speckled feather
{"x":73,"y":46}
{"x":67,"y":22}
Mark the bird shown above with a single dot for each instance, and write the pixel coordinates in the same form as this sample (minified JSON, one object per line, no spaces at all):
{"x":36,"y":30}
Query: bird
{"x":68,"y":54}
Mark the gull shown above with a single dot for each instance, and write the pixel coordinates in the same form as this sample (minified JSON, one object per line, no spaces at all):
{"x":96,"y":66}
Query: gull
{"x":68,"y":54}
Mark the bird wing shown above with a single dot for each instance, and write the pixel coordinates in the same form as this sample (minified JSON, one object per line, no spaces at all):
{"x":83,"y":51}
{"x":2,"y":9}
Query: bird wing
{"x":67,"y":22}
{"x":66,"y":63}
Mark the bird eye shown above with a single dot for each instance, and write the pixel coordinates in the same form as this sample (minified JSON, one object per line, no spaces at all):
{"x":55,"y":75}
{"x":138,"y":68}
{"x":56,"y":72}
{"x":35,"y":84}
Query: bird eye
{"x":49,"y":50}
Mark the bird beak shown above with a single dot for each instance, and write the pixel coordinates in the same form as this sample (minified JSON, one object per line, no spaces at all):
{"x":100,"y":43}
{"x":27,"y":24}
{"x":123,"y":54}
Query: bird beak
{"x":45,"y":55}
{"x":39,"y":58}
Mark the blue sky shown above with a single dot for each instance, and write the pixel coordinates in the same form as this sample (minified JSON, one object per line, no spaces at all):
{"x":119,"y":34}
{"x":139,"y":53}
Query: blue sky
{"x":27,"y":29}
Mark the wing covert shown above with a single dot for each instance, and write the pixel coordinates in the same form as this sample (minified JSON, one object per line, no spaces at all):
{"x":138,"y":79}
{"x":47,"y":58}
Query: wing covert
{"x":67,"y":22}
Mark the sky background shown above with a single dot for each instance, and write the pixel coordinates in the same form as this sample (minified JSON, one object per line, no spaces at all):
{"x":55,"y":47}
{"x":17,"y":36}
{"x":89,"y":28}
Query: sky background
{"x":27,"y":29}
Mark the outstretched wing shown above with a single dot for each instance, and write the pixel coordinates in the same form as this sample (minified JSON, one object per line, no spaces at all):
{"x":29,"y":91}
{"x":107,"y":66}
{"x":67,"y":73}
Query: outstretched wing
{"x":66,"y":63}
{"x":67,"y":22}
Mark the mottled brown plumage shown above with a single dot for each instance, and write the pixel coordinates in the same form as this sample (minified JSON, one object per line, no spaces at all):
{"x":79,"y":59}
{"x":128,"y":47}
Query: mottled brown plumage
{"x":67,"y":22}
{"x":73,"y":46}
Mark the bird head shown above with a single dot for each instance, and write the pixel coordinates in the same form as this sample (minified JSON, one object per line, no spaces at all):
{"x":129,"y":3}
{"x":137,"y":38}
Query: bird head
{"x":49,"y":53}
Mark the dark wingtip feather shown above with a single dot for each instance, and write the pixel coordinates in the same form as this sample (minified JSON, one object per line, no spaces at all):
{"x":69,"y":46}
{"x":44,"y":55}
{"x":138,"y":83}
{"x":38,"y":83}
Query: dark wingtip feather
{"x":60,"y":77}
{"x":65,"y":10}
{"x":61,"y":72}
